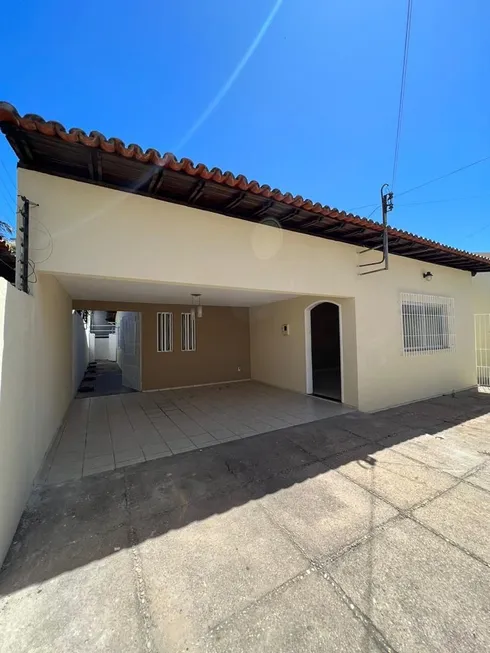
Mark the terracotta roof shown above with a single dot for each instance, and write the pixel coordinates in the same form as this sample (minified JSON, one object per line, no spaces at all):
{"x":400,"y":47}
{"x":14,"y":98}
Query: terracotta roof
{"x":13,"y":124}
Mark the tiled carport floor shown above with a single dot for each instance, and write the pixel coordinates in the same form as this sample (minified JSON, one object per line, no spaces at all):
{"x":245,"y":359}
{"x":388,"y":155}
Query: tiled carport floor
{"x":104,"y":433}
{"x":358,"y":533}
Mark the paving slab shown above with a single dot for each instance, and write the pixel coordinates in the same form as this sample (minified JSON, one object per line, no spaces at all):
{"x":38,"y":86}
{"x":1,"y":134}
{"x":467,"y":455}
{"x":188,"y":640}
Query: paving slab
{"x":481,"y":478}
{"x":58,"y":515}
{"x":209,"y":550}
{"x":167,"y":483}
{"x":422,"y":593}
{"x":304,"y":615}
{"x":402,"y":481}
{"x":371,"y":427}
{"x":322,"y":440}
{"x":201,"y":567}
{"x":260,"y":457}
{"x":450,"y":456}
{"x":90,"y":607}
{"x":471,"y":435}
{"x":321,"y":509}
{"x":463,"y":515}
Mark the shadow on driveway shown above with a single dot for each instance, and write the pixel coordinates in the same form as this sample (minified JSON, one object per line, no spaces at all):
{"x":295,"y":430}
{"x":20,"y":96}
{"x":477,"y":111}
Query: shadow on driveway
{"x":296,"y":501}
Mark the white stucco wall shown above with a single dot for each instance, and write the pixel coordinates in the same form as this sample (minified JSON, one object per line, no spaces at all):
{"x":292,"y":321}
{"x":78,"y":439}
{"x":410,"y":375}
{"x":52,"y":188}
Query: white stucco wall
{"x":35,"y":388}
{"x":94,"y":229}
{"x":105,"y":348}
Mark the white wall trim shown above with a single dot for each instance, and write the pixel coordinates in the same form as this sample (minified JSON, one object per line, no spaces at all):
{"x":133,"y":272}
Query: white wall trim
{"x":309,"y":370}
{"x":198,"y":385}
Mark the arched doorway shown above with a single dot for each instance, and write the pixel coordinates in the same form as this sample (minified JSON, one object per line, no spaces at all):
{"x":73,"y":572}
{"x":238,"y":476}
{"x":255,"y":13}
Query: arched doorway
{"x":324,"y":350}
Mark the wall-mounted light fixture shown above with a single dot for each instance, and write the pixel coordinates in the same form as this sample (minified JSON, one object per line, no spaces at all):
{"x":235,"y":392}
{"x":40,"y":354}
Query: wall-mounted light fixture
{"x":196,"y":301}
{"x":427,"y":276}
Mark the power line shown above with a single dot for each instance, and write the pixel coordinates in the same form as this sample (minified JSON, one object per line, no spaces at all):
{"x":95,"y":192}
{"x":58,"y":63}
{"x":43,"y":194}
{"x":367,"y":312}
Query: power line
{"x":373,"y":211}
{"x":406,"y":48}
{"x":426,"y":183}
{"x":9,"y":193}
{"x":8,"y":201}
{"x":448,"y":174}
{"x":8,"y":175}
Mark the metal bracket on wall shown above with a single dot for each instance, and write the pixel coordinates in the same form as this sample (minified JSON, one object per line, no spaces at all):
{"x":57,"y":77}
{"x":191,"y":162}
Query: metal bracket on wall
{"x":22,"y":271}
{"x":386,"y":206}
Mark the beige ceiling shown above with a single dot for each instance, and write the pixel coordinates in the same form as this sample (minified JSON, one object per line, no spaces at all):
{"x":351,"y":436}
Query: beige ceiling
{"x":103,"y":289}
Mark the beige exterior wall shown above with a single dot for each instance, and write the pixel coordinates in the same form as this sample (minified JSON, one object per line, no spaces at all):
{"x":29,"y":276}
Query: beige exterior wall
{"x":35,"y":388}
{"x":102,"y":232}
{"x":223,"y":345}
{"x":481,"y":293}
{"x":281,"y":360}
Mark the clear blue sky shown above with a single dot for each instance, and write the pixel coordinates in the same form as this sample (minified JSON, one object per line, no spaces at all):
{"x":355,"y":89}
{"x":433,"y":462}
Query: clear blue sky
{"x":312,"y":110}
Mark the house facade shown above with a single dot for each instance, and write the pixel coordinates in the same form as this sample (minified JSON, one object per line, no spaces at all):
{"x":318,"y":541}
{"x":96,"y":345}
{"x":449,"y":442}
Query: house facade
{"x":226,"y":278}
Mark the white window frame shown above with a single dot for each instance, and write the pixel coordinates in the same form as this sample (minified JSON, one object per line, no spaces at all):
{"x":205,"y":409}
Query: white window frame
{"x":165,"y":332}
{"x":427,"y":324}
{"x":188,"y":331}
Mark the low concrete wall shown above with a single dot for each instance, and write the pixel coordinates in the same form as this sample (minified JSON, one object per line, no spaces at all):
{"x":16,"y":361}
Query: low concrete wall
{"x":36,"y":385}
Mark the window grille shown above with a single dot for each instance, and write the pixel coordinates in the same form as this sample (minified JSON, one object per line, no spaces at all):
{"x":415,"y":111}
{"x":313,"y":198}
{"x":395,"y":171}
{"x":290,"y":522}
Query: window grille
{"x":165,"y":332}
{"x":427,"y":323}
{"x":188,"y":332}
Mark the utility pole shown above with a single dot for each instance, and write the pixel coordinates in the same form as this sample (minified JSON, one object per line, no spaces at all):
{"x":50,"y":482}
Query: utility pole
{"x":23,"y":282}
{"x":386,"y":207}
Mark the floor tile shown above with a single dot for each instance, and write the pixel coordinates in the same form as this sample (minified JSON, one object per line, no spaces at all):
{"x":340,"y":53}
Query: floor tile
{"x":135,"y":425}
{"x":127,"y":454}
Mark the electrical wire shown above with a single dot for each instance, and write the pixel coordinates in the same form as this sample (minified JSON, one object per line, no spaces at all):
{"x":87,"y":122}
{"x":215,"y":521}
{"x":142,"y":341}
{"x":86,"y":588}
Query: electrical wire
{"x":401,"y":103}
{"x":9,"y":193}
{"x":427,"y":183}
{"x":7,"y":265}
{"x":8,"y":175}
{"x":8,"y":198}
{"x":50,"y":244}
{"x":33,"y":266}
{"x":373,"y":211}
{"x":448,"y":174}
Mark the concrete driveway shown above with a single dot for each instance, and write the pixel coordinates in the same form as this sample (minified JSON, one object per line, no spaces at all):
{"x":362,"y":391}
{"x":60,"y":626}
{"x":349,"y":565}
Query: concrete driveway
{"x":354,"y":533}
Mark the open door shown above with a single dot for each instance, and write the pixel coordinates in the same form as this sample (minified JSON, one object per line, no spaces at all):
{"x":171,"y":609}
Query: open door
{"x":129,"y":350}
{"x":325,"y":351}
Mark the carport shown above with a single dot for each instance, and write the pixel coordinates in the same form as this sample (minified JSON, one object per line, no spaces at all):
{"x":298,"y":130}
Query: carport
{"x":109,"y":432}
{"x":210,"y":365}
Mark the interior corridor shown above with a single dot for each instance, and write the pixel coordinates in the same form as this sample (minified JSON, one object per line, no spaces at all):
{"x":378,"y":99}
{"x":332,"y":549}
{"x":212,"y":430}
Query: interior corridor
{"x":102,"y":378}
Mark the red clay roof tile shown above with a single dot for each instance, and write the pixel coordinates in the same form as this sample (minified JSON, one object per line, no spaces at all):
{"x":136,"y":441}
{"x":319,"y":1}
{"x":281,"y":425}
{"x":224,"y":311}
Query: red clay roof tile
{"x":33,"y":122}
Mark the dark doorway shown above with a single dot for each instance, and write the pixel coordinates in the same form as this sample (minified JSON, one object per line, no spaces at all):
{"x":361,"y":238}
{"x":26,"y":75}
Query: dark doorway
{"x":325,"y":351}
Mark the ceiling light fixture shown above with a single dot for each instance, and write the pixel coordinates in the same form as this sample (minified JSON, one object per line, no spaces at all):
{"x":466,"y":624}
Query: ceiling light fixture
{"x":196,"y":301}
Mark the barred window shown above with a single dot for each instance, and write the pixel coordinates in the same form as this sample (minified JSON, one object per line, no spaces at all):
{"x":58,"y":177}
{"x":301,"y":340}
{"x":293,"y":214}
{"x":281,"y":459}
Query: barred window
{"x":165,"y":332}
{"x":427,"y":323}
{"x":188,"y":332}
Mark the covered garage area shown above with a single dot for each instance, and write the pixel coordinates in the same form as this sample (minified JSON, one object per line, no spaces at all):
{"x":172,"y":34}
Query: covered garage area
{"x":215,"y":365}
{"x":110,"y":432}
